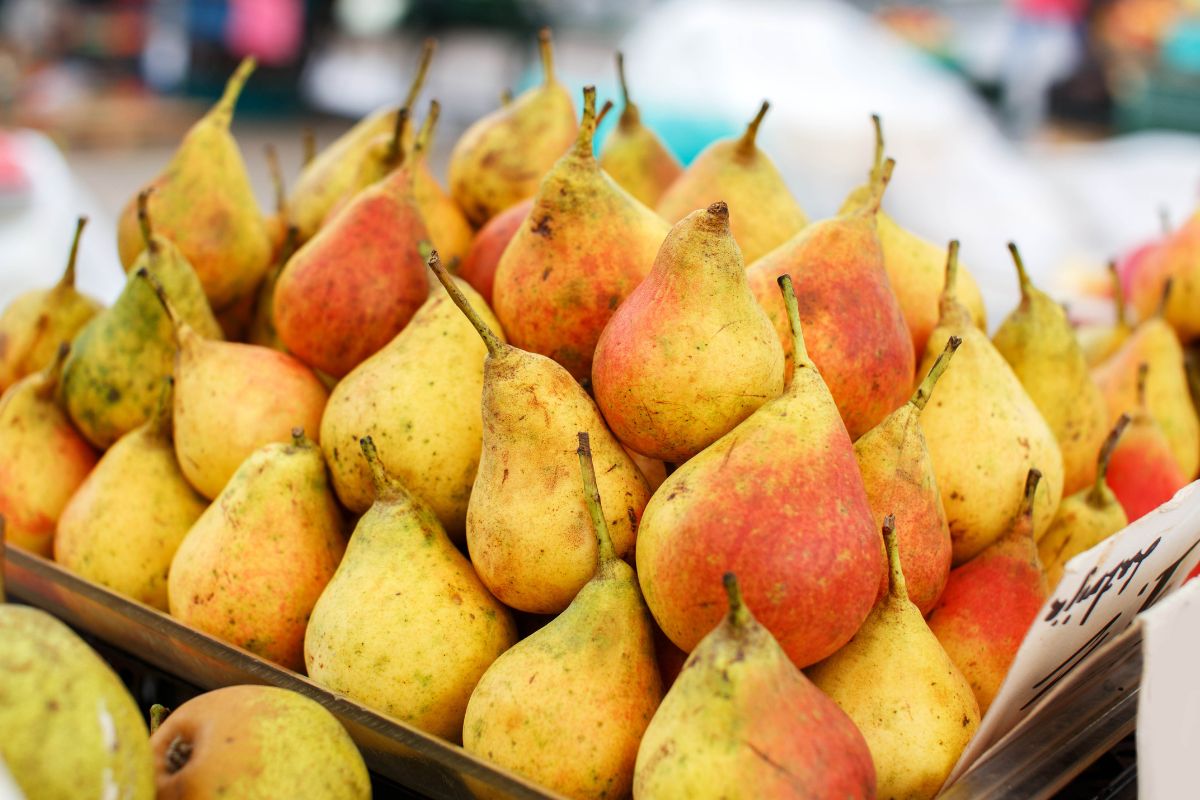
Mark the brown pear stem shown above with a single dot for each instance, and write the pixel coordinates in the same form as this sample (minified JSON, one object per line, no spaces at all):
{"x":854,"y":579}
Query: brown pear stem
{"x":799,"y":351}
{"x":1163,"y":299}
{"x":395,"y":151}
{"x":891,"y":542}
{"x":587,"y":125}
{"x":546,"y":49}
{"x":67,"y":281}
{"x":1022,"y":275}
{"x":490,"y":339}
{"x":276,"y":178}
{"x":1106,"y":451}
{"x":414,"y":89}
{"x":629,"y":114}
{"x":222,"y":112}
{"x":1142,"y":374}
{"x":308,"y":146}
{"x":298,"y":437}
{"x":143,"y":215}
{"x":591,"y":496}
{"x":1118,"y":293}
{"x":158,"y":715}
{"x":1031,"y":485}
{"x":179,"y":752}
{"x":603,"y":112}
{"x":950,"y":288}
{"x":386,"y":485}
{"x":879,"y":187}
{"x":877,"y":164}
{"x":921,"y":395}
{"x":747,"y":145}
{"x":739,"y":615}
{"x":425,"y":135}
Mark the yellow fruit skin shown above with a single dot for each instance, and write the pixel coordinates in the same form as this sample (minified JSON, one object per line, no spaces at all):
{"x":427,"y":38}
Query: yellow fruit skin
{"x":35,"y":324}
{"x":259,"y":743}
{"x":123,"y":525}
{"x":449,"y":230}
{"x":70,"y":728}
{"x":1084,"y":520}
{"x":637,"y":160}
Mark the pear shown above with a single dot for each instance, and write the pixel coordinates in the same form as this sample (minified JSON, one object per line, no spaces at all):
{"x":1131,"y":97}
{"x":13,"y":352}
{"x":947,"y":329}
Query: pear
{"x":742,"y":721}
{"x":653,"y":470}
{"x":991,"y":601}
{"x":984,"y":433}
{"x":1176,"y":259}
{"x":382,"y":156}
{"x":479,"y":267}
{"x":277,"y":223}
{"x":1154,"y":342}
{"x":915,"y":266}
{"x":1143,"y":472}
{"x":252,"y":567}
{"x":690,"y":353}
{"x":764,"y":213}
{"x":567,"y":706}
{"x":332,"y":174}
{"x":897,"y":472}
{"x":634,"y":156}
{"x":894,"y":680}
{"x":1099,"y":342}
{"x":405,"y":626}
{"x":113,"y":377}
{"x":358,"y":282}
{"x":1037,"y":341}
{"x":37,"y":322}
{"x":1086,"y":518}
{"x":71,"y":729}
{"x":43,"y":460}
{"x":257,"y":743}
{"x":584,"y":247}
{"x":500,"y":159}
{"x":233,"y":398}
{"x":122,"y":526}
{"x":852,"y":321}
{"x":261,"y":330}
{"x":528,"y":530}
{"x":420,"y":397}
{"x":779,"y":500}
{"x":448,"y":227}
{"x":204,"y":203}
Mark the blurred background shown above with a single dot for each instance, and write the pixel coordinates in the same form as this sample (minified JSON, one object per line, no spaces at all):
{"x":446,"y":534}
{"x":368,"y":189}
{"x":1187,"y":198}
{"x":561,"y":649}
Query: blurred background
{"x":1068,"y":126}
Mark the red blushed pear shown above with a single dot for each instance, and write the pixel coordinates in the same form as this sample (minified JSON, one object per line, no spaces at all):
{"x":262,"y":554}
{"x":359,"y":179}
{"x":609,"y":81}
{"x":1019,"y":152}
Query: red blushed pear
{"x":897,"y":471}
{"x":779,"y":500}
{"x":856,"y":332}
{"x":1176,"y":259}
{"x":479,"y":267}
{"x":991,"y":601}
{"x":351,"y":288}
{"x":1142,"y":471}
{"x":586,"y":244}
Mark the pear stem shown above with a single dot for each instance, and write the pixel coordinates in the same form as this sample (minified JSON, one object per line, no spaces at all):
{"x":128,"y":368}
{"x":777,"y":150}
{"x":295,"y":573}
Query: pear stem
{"x":587,"y":125}
{"x":276,"y":178}
{"x":747,"y":146}
{"x":921,"y":396}
{"x":288,"y":248}
{"x":951,"y":286}
{"x":158,"y":715}
{"x":386,"y":486}
{"x":180,"y":327}
{"x":425,"y":136}
{"x":395,"y":151}
{"x":891,"y":542}
{"x":1031,"y":485}
{"x":53,"y":373}
{"x":298,"y":437}
{"x":879,"y":187}
{"x":418,"y":81}
{"x":222,"y":113}
{"x":1106,"y":451}
{"x":1022,"y":275}
{"x":143,"y":214}
{"x":629,"y":114}
{"x":603,"y":112}
{"x":739,"y":615}
{"x":490,"y":339}
{"x":1161,"y":311}
{"x":67,"y":280}
{"x":546,"y":49}
{"x":877,"y":164}
{"x":799,"y":351}
{"x":1118,"y":293}
{"x":308,"y":146}
{"x":1142,"y":374}
{"x":591,"y":496}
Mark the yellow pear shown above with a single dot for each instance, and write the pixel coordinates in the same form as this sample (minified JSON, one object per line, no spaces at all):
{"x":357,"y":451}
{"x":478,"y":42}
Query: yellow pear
{"x":634,"y":156}
{"x":419,"y":397}
{"x":1038,"y":342}
{"x":894,"y":679}
{"x":567,"y":706}
{"x":405,"y":625}
{"x":762,"y":212}
{"x":449,"y":230}
{"x":261,"y":330}
{"x":122,"y":526}
{"x":984,"y":433}
{"x":1101,"y":341}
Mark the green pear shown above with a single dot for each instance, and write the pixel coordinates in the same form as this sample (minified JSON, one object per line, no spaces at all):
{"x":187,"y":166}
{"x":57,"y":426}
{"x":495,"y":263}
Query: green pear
{"x":405,"y":625}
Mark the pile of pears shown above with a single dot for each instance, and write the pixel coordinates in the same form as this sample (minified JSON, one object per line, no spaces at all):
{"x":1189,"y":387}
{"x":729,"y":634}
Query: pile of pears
{"x":624,"y":475}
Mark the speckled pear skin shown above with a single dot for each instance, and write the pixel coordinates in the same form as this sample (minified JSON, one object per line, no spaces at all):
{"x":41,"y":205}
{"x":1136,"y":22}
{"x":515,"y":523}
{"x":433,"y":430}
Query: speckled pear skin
{"x":584,"y":247}
{"x":779,"y":500}
{"x":1086,"y":518}
{"x":43,"y":459}
{"x":567,"y":706}
{"x":690,"y":353}
{"x":897,"y":472}
{"x":762,"y":212}
{"x":35,"y":323}
{"x":252,"y":567}
{"x":71,"y":730}
{"x":123,"y":525}
{"x":853,"y":325}
{"x":742,"y":721}
{"x":256,"y":743}
{"x":501,"y":159}
{"x":984,"y":434}
{"x":634,"y":156}
{"x":419,"y":398}
{"x":991,"y":601}
{"x":405,"y":626}
{"x":895,"y":681}
{"x":1175,"y":259}
{"x":531,"y":410}
{"x":204,"y":203}
{"x":1038,"y":342}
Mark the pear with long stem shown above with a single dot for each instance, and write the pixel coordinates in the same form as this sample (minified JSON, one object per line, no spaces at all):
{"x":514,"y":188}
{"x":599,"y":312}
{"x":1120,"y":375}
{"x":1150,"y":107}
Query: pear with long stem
{"x":1101,"y":341}
{"x":634,"y":156}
